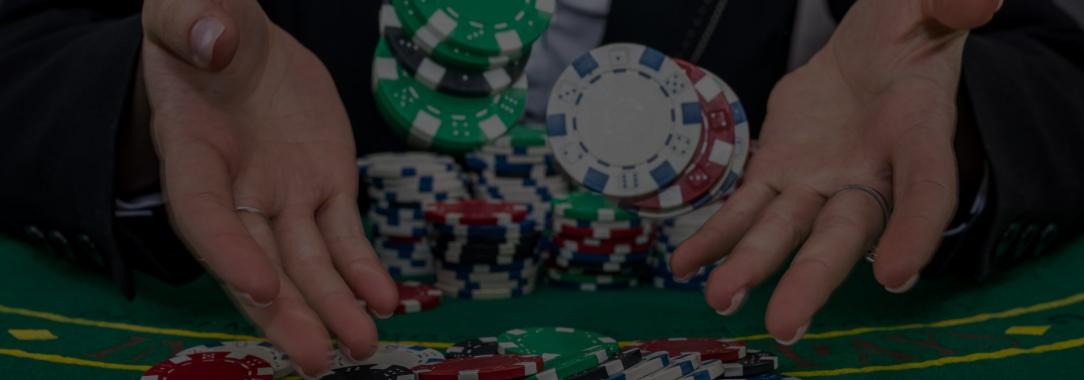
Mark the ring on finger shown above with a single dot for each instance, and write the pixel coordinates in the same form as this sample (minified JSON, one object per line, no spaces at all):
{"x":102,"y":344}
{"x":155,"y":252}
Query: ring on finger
{"x":882,"y":202}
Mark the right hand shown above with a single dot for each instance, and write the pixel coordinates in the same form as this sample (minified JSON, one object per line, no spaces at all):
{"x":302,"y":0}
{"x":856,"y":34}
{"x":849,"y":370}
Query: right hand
{"x":243,"y":115}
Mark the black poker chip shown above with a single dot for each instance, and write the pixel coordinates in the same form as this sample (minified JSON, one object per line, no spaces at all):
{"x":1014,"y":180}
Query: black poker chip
{"x":754,"y":363}
{"x":473,"y":347}
{"x":370,"y":372}
{"x":624,"y":360}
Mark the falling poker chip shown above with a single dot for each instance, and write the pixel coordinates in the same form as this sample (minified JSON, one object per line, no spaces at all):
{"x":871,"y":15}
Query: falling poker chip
{"x":371,"y":372}
{"x":473,"y":347}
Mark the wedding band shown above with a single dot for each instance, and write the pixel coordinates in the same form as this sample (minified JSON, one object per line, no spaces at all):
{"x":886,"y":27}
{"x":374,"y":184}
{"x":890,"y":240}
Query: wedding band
{"x":882,"y":201}
{"x":249,"y":209}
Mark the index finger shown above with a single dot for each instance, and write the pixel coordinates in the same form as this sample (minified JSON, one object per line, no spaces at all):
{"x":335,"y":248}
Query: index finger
{"x":197,"y":191}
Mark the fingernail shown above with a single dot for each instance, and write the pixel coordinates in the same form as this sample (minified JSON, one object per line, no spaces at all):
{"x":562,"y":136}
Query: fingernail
{"x":999,"y":4}
{"x":797,"y":336}
{"x":735,"y":303}
{"x":346,"y":352}
{"x":910,"y":283}
{"x":247,"y":299}
{"x":380,"y":316}
{"x":203,"y":36}
{"x":306,"y":376}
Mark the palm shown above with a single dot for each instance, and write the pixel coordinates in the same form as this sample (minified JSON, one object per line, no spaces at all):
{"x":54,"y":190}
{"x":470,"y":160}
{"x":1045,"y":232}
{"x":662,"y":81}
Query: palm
{"x":269,"y":132}
{"x":875,"y":107}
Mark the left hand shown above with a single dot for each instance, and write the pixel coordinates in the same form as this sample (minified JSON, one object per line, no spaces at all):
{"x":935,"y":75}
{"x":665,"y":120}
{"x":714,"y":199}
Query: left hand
{"x":875,"y":107}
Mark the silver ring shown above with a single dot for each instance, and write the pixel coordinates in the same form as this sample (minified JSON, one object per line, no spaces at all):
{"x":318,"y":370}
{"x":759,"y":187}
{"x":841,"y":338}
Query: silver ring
{"x":882,"y":201}
{"x":250,"y":209}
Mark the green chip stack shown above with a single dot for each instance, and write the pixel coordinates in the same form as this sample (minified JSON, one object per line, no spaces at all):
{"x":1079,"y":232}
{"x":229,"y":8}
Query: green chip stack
{"x":448,"y":75}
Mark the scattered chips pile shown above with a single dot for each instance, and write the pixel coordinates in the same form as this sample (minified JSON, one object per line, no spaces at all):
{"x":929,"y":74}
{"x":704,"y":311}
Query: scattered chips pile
{"x":448,"y":74}
{"x":535,"y":353}
{"x":673,"y":232}
{"x":659,"y":153}
{"x":486,"y":249}
{"x":399,"y":185}
{"x":597,"y":245}
{"x":518,"y":167}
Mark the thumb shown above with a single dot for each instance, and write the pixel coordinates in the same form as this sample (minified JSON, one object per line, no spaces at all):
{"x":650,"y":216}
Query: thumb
{"x":961,"y":14}
{"x":199,"y":32}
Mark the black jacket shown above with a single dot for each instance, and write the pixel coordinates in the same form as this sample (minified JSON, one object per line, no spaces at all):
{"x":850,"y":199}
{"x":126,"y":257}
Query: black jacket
{"x":67,"y":71}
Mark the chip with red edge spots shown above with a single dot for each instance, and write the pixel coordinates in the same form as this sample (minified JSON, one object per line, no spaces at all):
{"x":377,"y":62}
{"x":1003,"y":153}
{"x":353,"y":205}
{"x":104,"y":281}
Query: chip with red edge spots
{"x":710,"y":163}
{"x":211,"y":365}
{"x":708,"y":348}
{"x":416,"y":296}
{"x":486,"y":367}
{"x":476,"y":212}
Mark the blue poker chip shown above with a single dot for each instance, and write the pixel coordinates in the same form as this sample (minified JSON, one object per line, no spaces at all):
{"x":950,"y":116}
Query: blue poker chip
{"x":479,"y":276}
{"x":467,"y":269}
{"x":672,"y":283}
{"x":501,"y":166}
{"x":527,"y":226}
{"x":412,"y":198}
{"x":542,"y":193}
{"x":392,"y":218}
{"x":499,"y":293}
{"x":401,"y":212}
{"x":424,"y":183}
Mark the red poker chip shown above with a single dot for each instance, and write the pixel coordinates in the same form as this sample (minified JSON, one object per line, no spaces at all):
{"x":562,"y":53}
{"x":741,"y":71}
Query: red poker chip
{"x":211,"y":365}
{"x":708,"y":348}
{"x":476,"y":212}
{"x":709,"y":166}
{"x":415,"y":297}
{"x":604,"y":233}
{"x":486,"y":367}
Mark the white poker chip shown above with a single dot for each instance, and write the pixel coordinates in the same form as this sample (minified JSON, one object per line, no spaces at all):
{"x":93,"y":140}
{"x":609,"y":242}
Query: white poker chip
{"x":405,"y":164}
{"x":624,"y":120}
{"x":278,"y":360}
{"x":395,"y":354}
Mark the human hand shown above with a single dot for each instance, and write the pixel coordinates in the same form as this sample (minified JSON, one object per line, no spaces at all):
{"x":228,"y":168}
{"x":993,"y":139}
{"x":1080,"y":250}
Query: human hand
{"x":244,"y":116}
{"x":875,"y":107}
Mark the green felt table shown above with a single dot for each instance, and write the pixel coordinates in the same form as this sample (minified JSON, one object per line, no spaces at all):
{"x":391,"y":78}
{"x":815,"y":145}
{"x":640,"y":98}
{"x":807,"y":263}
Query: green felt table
{"x":58,"y":322}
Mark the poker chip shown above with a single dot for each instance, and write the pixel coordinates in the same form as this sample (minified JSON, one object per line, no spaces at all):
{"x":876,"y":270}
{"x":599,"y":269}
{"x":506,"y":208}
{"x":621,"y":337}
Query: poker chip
{"x":650,"y":364}
{"x":566,"y":365}
{"x":679,"y":367}
{"x":606,"y":246}
{"x":484,"y":367}
{"x":648,"y":145}
{"x":551,"y":342}
{"x":476,"y":212}
{"x":211,"y":365}
{"x":594,"y":287}
{"x":709,"y":166}
{"x":672,"y":233}
{"x":625,"y":359}
{"x":602,"y":232}
{"x":479,"y":26}
{"x":400,"y":186}
{"x":473,"y":347}
{"x":486,"y":293}
{"x":389,"y":355}
{"x":278,"y":360}
{"x":442,"y":77}
{"x":579,"y":277}
{"x":415,"y":297}
{"x":589,"y":206}
{"x":753,"y":364}
{"x":370,"y":372}
{"x":432,"y":119}
{"x":707,"y":348}
{"x":709,"y":370}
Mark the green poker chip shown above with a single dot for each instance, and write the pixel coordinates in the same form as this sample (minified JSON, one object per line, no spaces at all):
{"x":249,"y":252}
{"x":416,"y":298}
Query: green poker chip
{"x":568,"y":365}
{"x":433,"y":120}
{"x":485,"y":27}
{"x":414,"y":25}
{"x":523,"y":136}
{"x":586,"y":205}
{"x":553,"y":342}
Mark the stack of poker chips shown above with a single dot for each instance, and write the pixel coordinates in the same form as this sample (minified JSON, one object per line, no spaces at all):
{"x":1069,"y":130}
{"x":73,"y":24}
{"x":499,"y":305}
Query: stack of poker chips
{"x":448,"y":75}
{"x":660,"y":154}
{"x":596,"y":244}
{"x":399,"y":185}
{"x":518,"y":167}
{"x":486,"y":249}
{"x":673,"y":232}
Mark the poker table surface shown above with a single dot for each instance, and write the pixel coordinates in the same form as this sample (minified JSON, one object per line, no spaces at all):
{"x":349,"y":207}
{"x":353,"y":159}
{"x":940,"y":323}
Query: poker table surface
{"x":58,"y":321}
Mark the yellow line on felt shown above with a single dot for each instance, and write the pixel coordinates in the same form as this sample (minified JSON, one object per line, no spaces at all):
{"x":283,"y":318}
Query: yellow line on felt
{"x":969,"y":358}
{"x":72,"y":361}
{"x":123,"y":326}
{"x":977,"y":318}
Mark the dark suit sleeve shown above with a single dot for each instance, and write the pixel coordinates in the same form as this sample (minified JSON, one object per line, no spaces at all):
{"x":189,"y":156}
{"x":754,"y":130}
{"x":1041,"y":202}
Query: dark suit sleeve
{"x":66,"y":74}
{"x":1023,"y":89}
